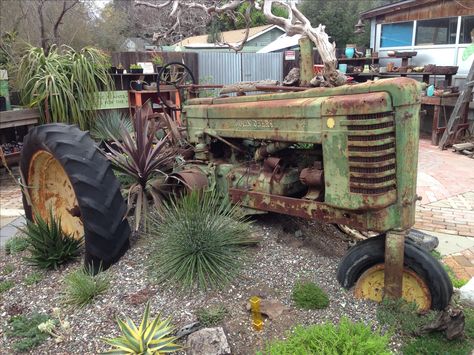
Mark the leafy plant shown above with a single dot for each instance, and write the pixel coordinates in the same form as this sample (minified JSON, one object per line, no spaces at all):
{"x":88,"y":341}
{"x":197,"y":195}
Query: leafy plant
{"x":200,"y":240}
{"x":8,"y":269}
{"x":135,"y":66}
{"x":157,"y":59}
{"x":6,"y":285}
{"x":308,"y":295}
{"x":141,"y":156}
{"x":48,"y":244}
{"x":33,"y":278}
{"x":110,"y":124}
{"x":210,"y":317}
{"x":329,"y":339}
{"x":403,"y":316}
{"x":81,"y":286}
{"x":64,"y":83}
{"x":25,"y":330}
{"x":16,"y":245}
{"x":151,"y":337}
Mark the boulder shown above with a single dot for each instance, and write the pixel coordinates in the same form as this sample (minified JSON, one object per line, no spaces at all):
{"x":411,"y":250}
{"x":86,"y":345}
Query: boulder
{"x":208,"y":341}
{"x":466,"y":293}
{"x":271,"y":308}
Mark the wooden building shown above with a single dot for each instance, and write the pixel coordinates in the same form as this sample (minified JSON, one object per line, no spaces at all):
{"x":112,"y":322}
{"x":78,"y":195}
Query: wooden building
{"x":439,"y":30}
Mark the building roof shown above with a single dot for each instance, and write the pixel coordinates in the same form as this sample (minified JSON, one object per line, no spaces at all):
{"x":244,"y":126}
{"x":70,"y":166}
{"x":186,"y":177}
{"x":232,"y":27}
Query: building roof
{"x":282,"y":42}
{"x":398,"y":6}
{"x":232,"y":37}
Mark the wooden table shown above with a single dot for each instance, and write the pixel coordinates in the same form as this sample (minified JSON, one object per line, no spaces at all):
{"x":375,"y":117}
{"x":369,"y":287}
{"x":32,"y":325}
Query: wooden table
{"x":440,"y":103}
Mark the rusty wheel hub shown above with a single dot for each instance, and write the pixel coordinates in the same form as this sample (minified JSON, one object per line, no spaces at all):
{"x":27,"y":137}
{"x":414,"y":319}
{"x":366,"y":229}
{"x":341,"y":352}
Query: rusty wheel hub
{"x":370,"y":285}
{"x":49,"y":187}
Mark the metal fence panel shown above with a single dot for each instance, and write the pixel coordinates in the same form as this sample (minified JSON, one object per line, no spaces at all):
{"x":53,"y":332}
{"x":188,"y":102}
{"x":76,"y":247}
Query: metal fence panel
{"x":219,"y":68}
{"x":262,"y":66}
{"x":229,"y":68}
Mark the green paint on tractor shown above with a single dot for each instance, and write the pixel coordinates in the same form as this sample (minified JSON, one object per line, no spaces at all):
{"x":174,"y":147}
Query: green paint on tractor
{"x":343,"y":155}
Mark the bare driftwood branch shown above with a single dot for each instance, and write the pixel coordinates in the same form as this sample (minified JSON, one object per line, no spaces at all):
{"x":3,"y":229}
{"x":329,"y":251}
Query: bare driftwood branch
{"x":247,"y":86}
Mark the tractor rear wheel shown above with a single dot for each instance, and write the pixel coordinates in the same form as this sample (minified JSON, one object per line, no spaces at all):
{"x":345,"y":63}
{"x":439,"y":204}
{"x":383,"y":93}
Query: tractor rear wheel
{"x":425,"y":281}
{"x":65,"y":172}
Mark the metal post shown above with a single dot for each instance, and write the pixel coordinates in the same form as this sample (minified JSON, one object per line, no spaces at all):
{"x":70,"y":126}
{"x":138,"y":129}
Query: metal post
{"x":306,"y":60}
{"x":394,"y":250}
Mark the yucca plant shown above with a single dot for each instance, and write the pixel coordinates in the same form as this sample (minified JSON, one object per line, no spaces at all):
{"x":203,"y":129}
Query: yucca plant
{"x":151,"y":337}
{"x":110,"y":124}
{"x":49,"y":246}
{"x":143,"y":157}
{"x":200,"y":240}
{"x":82,"y":286}
{"x":64,"y":83}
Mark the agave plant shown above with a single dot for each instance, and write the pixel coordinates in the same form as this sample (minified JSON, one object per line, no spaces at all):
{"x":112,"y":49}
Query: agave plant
{"x":201,"y":240}
{"x":142,"y":156}
{"x":110,"y":124}
{"x":48,"y":244}
{"x":151,"y":337}
{"x":64,"y":83}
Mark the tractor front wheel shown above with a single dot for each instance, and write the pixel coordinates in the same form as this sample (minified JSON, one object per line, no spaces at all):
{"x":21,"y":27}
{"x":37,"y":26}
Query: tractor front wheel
{"x":425,"y":281}
{"x":64,"y":171}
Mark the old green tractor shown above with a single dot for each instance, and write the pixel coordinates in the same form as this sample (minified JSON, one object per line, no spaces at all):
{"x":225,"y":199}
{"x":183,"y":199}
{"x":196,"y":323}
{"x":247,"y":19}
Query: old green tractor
{"x":345,"y":155}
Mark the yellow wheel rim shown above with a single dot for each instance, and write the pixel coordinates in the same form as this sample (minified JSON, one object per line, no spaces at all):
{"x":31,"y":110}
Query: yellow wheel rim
{"x":371,"y":286}
{"x":50,"y":187}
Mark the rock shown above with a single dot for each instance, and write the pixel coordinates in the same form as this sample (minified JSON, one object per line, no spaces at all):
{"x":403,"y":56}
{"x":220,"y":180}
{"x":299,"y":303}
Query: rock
{"x":293,"y":77}
{"x":426,"y":241}
{"x":271,"y":308}
{"x":208,"y":341}
{"x":466,"y":293}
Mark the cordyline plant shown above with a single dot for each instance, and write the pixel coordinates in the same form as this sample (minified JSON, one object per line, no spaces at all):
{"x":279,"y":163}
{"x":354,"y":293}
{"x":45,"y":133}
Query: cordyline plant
{"x":142,"y":156}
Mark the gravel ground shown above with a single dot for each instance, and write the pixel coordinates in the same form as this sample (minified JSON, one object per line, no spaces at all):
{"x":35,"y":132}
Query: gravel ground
{"x":271,"y":270}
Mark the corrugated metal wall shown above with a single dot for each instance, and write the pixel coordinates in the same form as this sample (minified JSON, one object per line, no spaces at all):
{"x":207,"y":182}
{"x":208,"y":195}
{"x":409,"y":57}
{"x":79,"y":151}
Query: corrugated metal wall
{"x":229,"y":68}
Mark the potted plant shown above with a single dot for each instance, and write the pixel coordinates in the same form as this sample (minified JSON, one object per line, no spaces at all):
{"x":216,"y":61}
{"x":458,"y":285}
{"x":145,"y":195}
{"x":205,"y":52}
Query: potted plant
{"x":136,"y":69}
{"x":120,"y":69}
{"x":158,"y":61}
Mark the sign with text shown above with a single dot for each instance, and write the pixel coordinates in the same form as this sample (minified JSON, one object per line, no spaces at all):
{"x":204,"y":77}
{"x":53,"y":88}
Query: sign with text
{"x":113,"y":100}
{"x":290,"y":55}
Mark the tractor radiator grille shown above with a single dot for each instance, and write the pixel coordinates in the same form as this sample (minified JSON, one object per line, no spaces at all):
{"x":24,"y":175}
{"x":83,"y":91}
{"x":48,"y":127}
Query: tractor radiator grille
{"x":372,"y":158}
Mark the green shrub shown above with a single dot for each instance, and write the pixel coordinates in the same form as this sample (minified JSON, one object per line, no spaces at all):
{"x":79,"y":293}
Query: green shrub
{"x":436,"y":344}
{"x":211,"y":316}
{"x":6,"y":285}
{"x":403,"y":316}
{"x":151,"y":337}
{"x":24,"y":329}
{"x":16,"y":245}
{"x":345,"y":338}
{"x":110,"y":124}
{"x":8,"y":269}
{"x":81,"y":286}
{"x":48,"y":244}
{"x":200,"y":240}
{"x":33,"y":278}
{"x":308,"y":295}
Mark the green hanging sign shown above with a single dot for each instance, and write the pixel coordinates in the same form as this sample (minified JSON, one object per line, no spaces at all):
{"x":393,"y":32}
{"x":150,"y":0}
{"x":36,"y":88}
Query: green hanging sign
{"x":112,"y":100}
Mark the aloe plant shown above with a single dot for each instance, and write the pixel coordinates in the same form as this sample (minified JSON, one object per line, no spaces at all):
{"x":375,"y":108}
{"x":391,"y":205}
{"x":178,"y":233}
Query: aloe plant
{"x":151,"y":337}
{"x":63,"y":84}
{"x":110,"y":124}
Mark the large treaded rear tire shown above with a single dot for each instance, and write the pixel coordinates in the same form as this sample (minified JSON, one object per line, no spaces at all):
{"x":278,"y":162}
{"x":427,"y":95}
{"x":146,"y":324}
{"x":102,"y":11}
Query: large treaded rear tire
{"x":102,"y":207}
{"x":370,"y":252}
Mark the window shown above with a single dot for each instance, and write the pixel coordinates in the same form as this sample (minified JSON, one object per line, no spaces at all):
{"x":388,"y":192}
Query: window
{"x":467,"y":30}
{"x":438,"y":31}
{"x":396,"y":34}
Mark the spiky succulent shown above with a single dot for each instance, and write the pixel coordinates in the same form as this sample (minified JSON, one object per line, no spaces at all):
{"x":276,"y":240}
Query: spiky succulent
{"x":151,"y":337}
